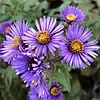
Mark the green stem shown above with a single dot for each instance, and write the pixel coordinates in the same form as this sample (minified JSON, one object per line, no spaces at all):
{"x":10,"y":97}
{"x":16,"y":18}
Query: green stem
{"x":52,"y":66}
{"x":55,"y":59}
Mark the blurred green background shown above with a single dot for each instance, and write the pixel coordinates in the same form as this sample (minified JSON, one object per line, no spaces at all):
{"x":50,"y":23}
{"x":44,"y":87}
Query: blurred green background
{"x":80,"y":84}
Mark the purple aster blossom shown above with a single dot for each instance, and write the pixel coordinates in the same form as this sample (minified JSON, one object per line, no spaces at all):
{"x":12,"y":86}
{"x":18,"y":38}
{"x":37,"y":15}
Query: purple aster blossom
{"x":13,"y":44}
{"x":46,"y":36}
{"x":77,"y":49}
{"x":5,"y":27}
{"x":32,"y":94}
{"x":55,"y":93}
{"x":1,"y":45}
{"x":43,"y":90}
{"x":29,"y":67}
{"x":72,"y":15}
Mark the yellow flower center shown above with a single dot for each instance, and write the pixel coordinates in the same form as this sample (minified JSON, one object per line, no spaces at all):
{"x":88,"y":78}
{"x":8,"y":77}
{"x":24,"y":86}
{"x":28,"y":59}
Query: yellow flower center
{"x":16,"y":41}
{"x":43,"y":37}
{"x":71,"y":17}
{"x":54,"y":91}
{"x":7,"y":29}
{"x":76,"y":46}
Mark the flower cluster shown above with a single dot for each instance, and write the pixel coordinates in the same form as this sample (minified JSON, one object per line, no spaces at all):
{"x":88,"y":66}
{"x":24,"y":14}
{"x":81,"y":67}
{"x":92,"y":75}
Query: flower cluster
{"x":29,"y":49}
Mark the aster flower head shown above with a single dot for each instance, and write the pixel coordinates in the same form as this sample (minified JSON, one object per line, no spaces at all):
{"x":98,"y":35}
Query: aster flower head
{"x":78,"y":49}
{"x":55,"y":93}
{"x":32,"y":94}
{"x":43,"y":90}
{"x":5,"y":27}
{"x":1,"y":45}
{"x":46,"y":36}
{"x":13,"y":43}
{"x":29,"y":67}
{"x":72,"y":14}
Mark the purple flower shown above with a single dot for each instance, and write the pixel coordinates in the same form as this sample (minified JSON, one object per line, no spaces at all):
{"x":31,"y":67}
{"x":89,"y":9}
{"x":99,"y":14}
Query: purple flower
{"x":13,"y":43}
{"x":1,"y":45}
{"x":47,"y":36}
{"x":5,"y":27}
{"x":77,"y":49}
{"x":43,"y":90}
{"x":55,"y":93}
{"x":41,"y":94}
{"x":32,"y":94}
{"x":29,"y":67}
{"x":72,"y":14}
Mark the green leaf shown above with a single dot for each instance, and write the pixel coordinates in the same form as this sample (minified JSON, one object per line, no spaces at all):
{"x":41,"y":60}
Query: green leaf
{"x":30,"y":3}
{"x":90,"y":70}
{"x":7,"y":1}
{"x":2,"y":9}
{"x":85,"y":5}
{"x":53,"y":12}
{"x":87,"y":71}
{"x":75,"y":92}
{"x":4,"y":17}
{"x":7,"y":74}
{"x":81,"y":1}
{"x":17,"y":17}
{"x":15,"y":2}
{"x":62,"y":76}
{"x":96,"y":29}
{"x":43,"y":5}
{"x":2,"y":37}
{"x":66,"y":3}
